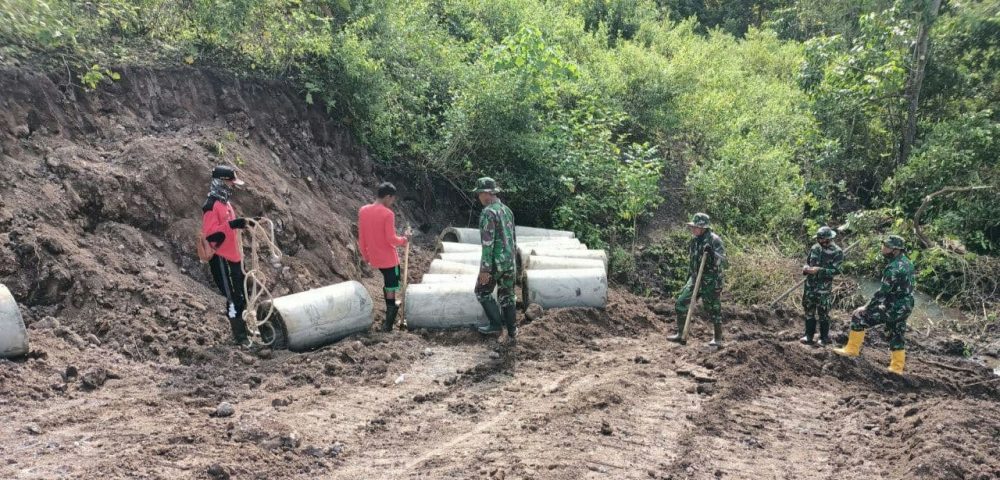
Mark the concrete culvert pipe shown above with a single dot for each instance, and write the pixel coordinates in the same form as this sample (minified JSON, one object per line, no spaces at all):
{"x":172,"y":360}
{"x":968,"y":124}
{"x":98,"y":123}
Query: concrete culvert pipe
{"x":556,"y":245}
{"x":541,"y":232}
{"x":443,"y":305}
{"x":460,"y":278}
{"x":536,"y":262}
{"x":468,"y":258}
{"x":13,"y":336}
{"x":568,"y":253}
{"x":321,"y":316}
{"x":584,"y":287}
{"x":452,"y":247}
{"x":445,"y":266}
{"x":524,"y":250}
{"x":461,"y":235}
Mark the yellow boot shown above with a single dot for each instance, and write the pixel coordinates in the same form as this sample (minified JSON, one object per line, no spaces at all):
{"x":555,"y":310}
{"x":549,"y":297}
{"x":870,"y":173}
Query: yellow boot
{"x":896,"y":361}
{"x":853,"y":347}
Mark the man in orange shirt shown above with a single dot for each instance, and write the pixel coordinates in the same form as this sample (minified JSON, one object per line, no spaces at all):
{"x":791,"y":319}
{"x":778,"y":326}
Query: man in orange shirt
{"x":378,"y":241}
{"x":220,"y":227}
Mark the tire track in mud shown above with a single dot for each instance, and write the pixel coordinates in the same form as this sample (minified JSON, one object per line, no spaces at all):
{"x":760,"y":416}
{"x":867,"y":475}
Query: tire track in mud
{"x":590,"y":419}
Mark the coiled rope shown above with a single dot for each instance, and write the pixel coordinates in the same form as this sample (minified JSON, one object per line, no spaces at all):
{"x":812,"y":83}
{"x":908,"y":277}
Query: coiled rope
{"x":260,"y":237}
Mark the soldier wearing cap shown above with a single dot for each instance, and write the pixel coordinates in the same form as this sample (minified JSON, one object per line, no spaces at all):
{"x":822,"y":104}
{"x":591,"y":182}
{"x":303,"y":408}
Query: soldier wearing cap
{"x":705,"y":242}
{"x":497,"y":267}
{"x":220,"y":228}
{"x":890,"y":305}
{"x":822,"y":264}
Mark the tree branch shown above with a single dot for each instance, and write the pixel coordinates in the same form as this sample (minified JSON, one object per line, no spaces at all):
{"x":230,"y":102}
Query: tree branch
{"x":927,"y":200}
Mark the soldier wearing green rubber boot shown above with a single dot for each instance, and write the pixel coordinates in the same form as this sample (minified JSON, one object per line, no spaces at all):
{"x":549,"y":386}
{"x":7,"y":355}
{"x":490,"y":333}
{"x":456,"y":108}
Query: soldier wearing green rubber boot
{"x":823,"y":263}
{"x":497,"y":267}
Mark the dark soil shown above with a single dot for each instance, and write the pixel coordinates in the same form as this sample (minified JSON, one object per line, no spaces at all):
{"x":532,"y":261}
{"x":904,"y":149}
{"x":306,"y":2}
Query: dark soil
{"x":131,"y":376}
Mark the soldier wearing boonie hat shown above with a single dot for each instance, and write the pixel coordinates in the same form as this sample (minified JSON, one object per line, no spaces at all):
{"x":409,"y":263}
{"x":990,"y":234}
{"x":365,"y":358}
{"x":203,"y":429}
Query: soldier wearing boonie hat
{"x":891,"y":305}
{"x":497,"y":267}
{"x":705,"y":242}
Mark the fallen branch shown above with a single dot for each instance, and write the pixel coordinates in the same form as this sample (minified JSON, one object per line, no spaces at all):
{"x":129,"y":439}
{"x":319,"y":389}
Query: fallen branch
{"x":927,"y":200}
{"x":980,"y":382}
{"x":949,"y":367}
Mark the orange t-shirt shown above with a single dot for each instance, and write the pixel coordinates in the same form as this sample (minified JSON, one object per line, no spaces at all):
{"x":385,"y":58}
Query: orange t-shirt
{"x":377,"y":236}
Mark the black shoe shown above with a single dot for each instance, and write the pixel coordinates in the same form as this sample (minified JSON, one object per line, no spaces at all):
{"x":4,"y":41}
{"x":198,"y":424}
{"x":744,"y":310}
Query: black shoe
{"x":807,"y":340}
{"x":239,"y":329}
{"x":825,"y":341}
{"x":390,"y":317}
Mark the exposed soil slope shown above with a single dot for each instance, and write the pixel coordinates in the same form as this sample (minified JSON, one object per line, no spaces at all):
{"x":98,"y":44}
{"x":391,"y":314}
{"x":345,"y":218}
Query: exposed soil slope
{"x":130,"y":377}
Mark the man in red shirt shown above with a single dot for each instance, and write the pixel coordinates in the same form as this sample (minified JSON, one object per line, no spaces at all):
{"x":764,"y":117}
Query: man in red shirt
{"x":378,"y":241}
{"x":220,"y":227}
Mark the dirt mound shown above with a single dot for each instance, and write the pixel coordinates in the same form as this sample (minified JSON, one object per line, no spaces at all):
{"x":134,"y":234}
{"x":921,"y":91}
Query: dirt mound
{"x":129,"y":376}
{"x":100,"y":198}
{"x":544,"y":338}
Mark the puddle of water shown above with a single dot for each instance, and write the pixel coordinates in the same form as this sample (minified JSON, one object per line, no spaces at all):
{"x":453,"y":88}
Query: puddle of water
{"x":924,"y":306}
{"x":925,"y":310}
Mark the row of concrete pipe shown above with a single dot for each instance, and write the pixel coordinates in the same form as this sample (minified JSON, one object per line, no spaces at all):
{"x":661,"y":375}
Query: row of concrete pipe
{"x":558,"y":271}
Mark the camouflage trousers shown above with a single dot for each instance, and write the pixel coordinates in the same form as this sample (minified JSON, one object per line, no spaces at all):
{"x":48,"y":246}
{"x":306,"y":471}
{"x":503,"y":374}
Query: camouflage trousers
{"x":817,"y":305}
{"x":893,"y":317}
{"x":503,"y":282}
{"x":710,"y":291}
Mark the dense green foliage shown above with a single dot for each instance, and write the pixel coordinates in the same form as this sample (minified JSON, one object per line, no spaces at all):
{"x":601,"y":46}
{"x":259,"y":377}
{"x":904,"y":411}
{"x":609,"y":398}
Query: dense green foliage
{"x":782,"y":114}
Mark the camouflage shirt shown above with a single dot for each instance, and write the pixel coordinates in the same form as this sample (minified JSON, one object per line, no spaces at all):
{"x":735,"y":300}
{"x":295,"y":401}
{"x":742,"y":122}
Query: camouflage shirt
{"x":496,"y":229}
{"x":714,"y":264}
{"x":897,"y":285}
{"x":830,"y":261}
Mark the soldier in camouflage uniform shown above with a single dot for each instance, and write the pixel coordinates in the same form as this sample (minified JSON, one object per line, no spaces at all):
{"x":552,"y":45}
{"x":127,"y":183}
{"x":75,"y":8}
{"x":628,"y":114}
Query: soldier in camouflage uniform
{"x":822,"y":264}
{"x":497,"y":268}
{"x":705,"y":241}
{"x":890,"y":305}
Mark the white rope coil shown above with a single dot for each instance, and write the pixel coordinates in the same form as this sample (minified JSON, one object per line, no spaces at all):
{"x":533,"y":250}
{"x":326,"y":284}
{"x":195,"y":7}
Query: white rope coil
{"x":260,"y":238}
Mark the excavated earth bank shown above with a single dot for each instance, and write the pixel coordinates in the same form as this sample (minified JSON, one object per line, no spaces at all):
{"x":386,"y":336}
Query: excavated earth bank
{"x":129,"y":374}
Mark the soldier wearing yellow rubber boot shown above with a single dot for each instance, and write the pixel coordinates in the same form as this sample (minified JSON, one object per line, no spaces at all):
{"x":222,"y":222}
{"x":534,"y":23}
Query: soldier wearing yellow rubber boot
{"x":890,"y":305}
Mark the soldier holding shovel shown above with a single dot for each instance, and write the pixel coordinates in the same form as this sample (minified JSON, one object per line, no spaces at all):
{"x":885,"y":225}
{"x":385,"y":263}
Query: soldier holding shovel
{"x":708,"y":245}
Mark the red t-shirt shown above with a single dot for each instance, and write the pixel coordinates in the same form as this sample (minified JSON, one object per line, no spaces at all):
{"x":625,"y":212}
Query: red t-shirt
{"x":217,"y":220}
{"x":377,"y":236}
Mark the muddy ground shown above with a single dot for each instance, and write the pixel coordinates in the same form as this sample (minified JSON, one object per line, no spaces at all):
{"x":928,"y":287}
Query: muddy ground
{"x":130,"y":376}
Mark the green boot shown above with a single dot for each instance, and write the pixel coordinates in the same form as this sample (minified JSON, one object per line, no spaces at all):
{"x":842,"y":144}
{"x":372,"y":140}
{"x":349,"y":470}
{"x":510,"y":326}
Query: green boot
{"x":810,"y":331}
{"x":680,"y":329}
{"x":510,"y":321}
{"x":824,"y":332}
{"x":716,"y":335}
{"x":493,"y":314}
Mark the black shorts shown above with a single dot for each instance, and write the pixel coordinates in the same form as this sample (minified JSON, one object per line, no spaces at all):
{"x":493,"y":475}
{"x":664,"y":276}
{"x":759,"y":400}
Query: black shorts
{"x":391,"y":277}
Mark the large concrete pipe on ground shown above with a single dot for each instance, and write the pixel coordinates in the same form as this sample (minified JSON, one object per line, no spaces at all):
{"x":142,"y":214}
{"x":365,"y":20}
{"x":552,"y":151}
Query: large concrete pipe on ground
{"x":541,"y":232}
{"x":444,"y":266}
{"x":324,"y":315}
{"x":452,"y":247}
{"x":461,"y":235}
{"x":468,"y":258}
{"x":521,"y":239}
{"x":524,"y":251}
{"x":471,"y":235}
{"x":13,"y":336}
{"x":536,"y":262}
{"x":554,"y":243}
{"x":460,"y":278}
{"x":443,"y":305}
{"x":584,"y":287}
{"x":569,"y":253}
